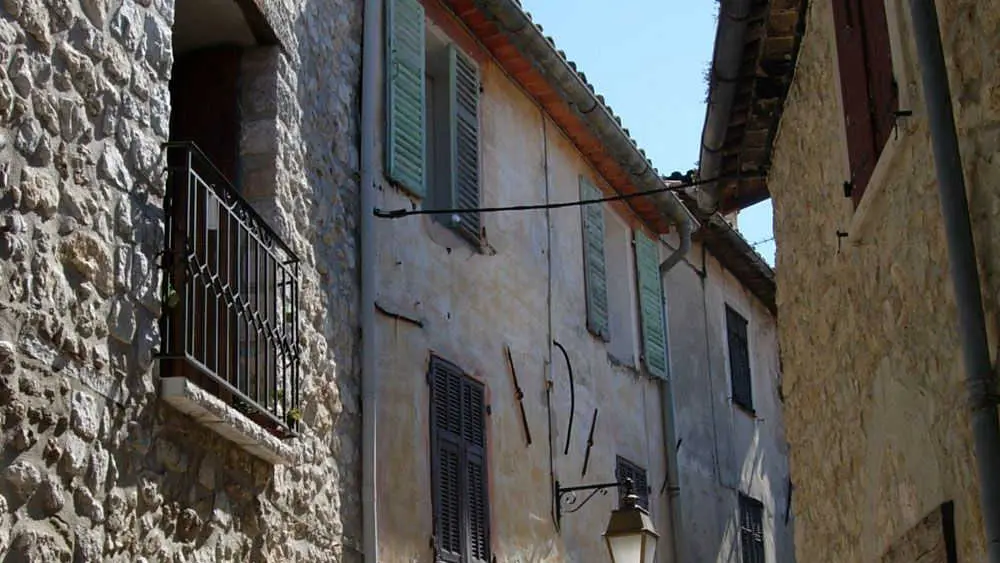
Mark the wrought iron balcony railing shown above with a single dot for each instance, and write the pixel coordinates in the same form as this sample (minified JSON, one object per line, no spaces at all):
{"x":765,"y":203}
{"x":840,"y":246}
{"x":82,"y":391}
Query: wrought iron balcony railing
{"x":230,"y":295}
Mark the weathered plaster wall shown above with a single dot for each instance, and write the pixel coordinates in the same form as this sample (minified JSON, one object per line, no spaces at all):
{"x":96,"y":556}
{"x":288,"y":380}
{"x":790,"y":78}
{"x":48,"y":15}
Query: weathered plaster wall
{"x":724,"y":449}
{"x":471,"y":306}
{"x":873,"y":375}
{"x":94,"y":467}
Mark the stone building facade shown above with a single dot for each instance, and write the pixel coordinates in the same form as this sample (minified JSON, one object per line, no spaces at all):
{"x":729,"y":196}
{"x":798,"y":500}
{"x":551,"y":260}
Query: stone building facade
{"x":96,"y":465}
{"x":874,"y":384}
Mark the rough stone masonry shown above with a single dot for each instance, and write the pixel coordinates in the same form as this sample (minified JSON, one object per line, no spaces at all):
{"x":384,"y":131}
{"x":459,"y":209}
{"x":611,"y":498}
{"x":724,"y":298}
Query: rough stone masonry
{"x":94,"y":466}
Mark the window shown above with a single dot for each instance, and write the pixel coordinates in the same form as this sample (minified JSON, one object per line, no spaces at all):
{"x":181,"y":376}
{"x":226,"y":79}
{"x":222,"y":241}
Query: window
{"x":609,"y":303}
{"x":625,"y":469}
{"x":432,"y":118}
{"x":751,"y":529}
{"x":654,"y":333}
{"x":739,"y":359}
{"x":458,"y":466}
{"x":869,"y":90}
{"x":621,"y":310}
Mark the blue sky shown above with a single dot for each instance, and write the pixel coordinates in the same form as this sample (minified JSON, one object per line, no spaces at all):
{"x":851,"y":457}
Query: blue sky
{"x":648,"y":58}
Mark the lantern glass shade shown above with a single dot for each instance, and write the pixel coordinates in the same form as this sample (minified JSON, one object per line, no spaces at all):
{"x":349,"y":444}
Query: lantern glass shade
{"x":630,"y":536}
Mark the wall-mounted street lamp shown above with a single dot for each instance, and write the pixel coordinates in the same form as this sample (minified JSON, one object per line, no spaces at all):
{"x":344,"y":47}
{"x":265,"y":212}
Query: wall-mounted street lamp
{"x":630,"y":535}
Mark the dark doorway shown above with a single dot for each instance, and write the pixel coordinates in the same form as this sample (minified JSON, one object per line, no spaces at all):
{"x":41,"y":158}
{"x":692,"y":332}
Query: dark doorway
{"x":204,"y":94}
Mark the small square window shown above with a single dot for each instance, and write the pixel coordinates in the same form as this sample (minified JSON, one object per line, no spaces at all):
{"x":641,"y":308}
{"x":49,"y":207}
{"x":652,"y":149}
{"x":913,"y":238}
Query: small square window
{"x":751,"y":529}
{"x":625,"y":469}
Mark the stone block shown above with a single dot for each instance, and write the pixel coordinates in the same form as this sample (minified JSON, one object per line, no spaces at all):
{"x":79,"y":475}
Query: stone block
{"x":85,"y":417}
{"x":23,"y":477}
{"x":112,"y":168}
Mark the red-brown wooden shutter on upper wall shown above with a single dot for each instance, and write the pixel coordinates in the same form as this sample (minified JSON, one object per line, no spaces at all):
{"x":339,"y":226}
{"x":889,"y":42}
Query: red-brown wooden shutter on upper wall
{"x":867,"y":83}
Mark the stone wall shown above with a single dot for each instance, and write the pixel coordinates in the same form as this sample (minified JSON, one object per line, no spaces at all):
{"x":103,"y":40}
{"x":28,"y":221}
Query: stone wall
{"x":94,"y":466}
{"x":874,"y":391}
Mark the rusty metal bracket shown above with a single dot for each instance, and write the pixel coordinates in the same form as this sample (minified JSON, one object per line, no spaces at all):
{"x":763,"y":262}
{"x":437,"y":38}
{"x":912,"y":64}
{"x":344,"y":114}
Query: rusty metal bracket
{"x":518,"y":394}
{"x":590,"y":444}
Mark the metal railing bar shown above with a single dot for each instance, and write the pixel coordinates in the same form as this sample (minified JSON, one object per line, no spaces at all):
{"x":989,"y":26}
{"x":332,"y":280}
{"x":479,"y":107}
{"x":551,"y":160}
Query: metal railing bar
{"x":230,"y":189}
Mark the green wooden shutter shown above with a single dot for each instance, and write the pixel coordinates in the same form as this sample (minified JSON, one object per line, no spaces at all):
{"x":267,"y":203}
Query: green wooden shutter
{"x":595,"y":274}
{"x":463,"y":86}
{"x":654,"y":342}
{"x":405,"y":135}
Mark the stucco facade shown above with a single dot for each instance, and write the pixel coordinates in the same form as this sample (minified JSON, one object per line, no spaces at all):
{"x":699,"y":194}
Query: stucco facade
{"x":873,"y":377}
{"x":725,"y":449}
{"x":95,"y":465}
{"x":471,"y":305}
{"x":439,"y":295}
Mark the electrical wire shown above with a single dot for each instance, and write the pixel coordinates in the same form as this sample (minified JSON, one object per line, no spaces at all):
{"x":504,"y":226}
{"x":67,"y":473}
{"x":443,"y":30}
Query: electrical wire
{"x":397,"y":213}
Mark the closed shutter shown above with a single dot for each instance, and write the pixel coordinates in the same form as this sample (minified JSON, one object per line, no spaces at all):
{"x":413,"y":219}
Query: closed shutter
{"x":739,"y":359}
{"x":595,"y":274}
{"x":446,"y":413}
{"x":878,"y":63}
{"x":869,"y":91}
{"x":405,"y":95}
{"x":461,"y":501}
{"x":463,"y":80}
{"x":854,"y":90}
{"x":475,"y":471}
{"x":654,"y":341}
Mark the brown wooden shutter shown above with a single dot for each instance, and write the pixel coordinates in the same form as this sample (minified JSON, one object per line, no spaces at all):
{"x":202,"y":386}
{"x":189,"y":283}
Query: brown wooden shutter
{"x":446,"y":415}
{"x":867,"y":84}
{"x":881,"y":84}
{"x":854,"y":87}
{"x":461,"y":501}
{"x":474,"y":417}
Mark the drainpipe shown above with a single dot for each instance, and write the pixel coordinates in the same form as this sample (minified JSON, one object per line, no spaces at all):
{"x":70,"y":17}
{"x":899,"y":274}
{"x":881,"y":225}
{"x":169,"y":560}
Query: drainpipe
{"x":370,"y":94}
{"x":668,"y":419}
{"x":964,"y":271}
{"x":726,"y":63}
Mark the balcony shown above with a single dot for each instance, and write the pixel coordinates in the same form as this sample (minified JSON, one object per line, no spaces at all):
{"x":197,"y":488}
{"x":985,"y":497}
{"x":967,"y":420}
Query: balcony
{"x":230,"y":293}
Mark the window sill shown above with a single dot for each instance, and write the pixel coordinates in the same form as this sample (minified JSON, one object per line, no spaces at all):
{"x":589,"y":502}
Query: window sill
{"x":214,"y":414}
{"x":869,"y":209}
{"x":749,"y":411}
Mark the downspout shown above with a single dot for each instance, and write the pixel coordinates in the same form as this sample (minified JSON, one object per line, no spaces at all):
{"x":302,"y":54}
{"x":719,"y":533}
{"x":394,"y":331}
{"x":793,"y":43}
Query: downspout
{"x":980,"y":383}
{"x":370,"y":95}
{"x":726,"y":63}
{"x":668,"y":419}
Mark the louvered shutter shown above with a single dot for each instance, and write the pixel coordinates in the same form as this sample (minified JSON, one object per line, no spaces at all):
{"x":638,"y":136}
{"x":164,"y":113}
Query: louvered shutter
{"x":654,"y":341}
{"x":461,"y":501}
{"x":854,"y":89}
{"x":739,"y":359}
{"x":474,"y":426}
{"x":463,"y":81}
{"x":405,"y":136}
{"x":595,"y":274}
{"x":878,"y":63}
{"x":446,"y":403}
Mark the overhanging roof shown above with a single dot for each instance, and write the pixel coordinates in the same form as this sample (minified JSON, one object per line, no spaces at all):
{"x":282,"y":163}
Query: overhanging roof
{"x":770,"y":47}
{"x":544,"y":72}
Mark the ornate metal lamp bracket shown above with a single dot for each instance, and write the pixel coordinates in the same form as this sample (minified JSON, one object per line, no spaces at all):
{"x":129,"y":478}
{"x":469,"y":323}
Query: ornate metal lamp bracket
{"x":568,"y":496}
